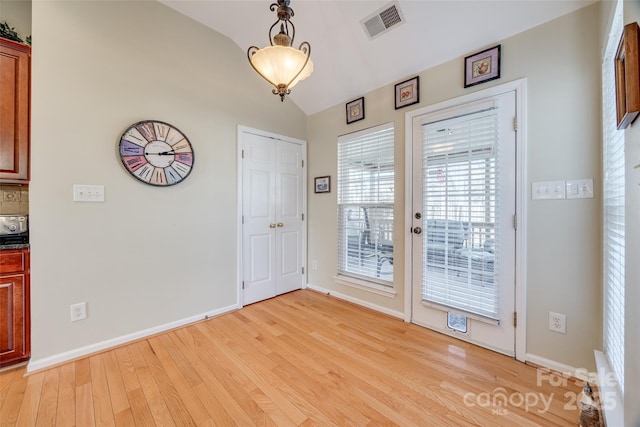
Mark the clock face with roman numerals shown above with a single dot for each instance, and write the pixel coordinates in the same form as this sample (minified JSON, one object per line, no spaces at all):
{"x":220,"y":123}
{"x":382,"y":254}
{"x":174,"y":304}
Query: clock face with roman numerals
{"x":156,"y":153}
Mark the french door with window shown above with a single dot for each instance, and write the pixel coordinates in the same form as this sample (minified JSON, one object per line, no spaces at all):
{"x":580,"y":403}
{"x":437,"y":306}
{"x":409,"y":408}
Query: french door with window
{"x":272,"y":216}
{"x":463,"y":214}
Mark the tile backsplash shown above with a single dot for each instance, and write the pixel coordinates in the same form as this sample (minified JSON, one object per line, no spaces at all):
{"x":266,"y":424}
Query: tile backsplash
{"x":14,"y":199}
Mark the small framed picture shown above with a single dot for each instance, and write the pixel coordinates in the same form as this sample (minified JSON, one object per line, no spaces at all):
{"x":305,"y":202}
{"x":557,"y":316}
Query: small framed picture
{"x":322,"y":184}
{"x":627,"y":74}
{"x":355,"y":110}
{"x":408,"y":92}
{"x":482,"y":66}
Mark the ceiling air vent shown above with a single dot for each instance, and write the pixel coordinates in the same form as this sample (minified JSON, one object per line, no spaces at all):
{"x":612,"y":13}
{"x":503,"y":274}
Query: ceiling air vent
{"x":382,"y":20}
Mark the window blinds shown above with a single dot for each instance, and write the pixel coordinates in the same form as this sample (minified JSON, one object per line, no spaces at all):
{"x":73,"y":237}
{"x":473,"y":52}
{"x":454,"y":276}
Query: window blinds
{"x":614,"y":205}
{"x":461,"y":206}
{"x":365,"y":204}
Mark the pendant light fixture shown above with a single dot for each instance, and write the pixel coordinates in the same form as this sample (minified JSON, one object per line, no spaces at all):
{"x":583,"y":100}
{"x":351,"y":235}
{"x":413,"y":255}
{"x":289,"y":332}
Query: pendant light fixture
{"x":281,"y":64}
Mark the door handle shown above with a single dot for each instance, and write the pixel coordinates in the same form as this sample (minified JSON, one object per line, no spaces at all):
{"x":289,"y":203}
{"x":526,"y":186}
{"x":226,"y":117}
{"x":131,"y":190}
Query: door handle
{"x":417,"y":230}
{"x":272,"y":226}
{"x":280,"y":224}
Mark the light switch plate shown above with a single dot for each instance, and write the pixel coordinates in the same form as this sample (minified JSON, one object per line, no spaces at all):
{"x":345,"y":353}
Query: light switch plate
{"x":548,"y":190}
{"x":580,"y":189}
{"x":88,"y":193}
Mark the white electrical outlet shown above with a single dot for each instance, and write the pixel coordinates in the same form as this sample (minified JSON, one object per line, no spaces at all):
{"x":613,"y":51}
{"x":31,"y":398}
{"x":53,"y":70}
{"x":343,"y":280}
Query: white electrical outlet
{"x":314,"y":265}
{"x":78,"y":311}
{"x":557,"y":322}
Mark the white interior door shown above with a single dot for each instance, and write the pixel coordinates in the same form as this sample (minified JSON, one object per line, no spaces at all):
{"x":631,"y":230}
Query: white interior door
{"x":272,"y":221}
{"x":464,"y":202}
{"x":289,"y":225}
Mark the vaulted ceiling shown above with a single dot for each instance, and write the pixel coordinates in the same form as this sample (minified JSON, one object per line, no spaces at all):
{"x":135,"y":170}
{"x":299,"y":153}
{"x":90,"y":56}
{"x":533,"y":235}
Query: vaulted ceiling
{"x":347,"y":63}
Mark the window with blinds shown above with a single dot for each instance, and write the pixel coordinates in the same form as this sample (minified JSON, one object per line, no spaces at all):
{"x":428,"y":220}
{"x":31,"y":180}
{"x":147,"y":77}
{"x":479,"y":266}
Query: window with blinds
{"x":460,"y":212}
{"x":365,"y":204}
{"x":613,"y":206}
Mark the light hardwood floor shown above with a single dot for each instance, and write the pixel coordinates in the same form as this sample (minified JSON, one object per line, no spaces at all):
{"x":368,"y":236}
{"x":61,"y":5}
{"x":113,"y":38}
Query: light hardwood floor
{"x":303,"y":358}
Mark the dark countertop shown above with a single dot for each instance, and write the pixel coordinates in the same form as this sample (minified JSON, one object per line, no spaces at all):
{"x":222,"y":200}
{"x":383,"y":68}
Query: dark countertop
{"x":14,"y":247}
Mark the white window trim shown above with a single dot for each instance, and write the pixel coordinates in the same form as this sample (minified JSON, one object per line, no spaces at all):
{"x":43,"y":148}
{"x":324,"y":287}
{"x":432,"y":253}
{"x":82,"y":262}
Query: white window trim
{"x":611,"y":394}
{"x":378,"y":287}
{"x":610,"y":400}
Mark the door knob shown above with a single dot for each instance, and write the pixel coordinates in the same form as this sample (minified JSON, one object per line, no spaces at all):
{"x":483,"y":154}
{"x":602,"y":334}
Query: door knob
{"x":417,"y":230}
{"x":272,"y":226}
{"x":280,"y":224}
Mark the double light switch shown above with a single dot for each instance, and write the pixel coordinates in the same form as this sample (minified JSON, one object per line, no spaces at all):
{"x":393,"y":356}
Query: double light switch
{"x":580,"y":189}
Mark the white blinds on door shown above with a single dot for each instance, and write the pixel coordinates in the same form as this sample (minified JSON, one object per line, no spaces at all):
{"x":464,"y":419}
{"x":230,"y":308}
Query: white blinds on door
{"x":460,"y":213}
{"x":365,"y":204}
{"x":614,"y":218}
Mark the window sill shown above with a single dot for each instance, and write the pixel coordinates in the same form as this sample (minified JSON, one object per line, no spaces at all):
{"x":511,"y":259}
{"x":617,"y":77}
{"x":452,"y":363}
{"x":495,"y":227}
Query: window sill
{"x":364,"y":285}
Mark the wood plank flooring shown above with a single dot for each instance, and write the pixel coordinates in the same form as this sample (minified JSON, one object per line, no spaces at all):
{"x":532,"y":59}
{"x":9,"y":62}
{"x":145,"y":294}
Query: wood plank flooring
{"x":301,"y":359}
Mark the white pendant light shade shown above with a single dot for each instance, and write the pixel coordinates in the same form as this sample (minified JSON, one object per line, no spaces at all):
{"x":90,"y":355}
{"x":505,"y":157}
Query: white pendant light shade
{"x":280,"y":64}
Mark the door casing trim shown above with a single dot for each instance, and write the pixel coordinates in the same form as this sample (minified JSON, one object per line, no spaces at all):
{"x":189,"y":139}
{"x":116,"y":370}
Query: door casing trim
{"x":239,"y":266}
{"x":520,"y":88}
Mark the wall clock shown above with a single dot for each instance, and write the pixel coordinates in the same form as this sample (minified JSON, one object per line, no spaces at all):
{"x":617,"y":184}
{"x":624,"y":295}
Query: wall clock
{"x":156,"y":153}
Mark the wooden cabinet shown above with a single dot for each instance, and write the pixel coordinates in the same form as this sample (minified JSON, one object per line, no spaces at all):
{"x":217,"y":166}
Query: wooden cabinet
{"x":15,"y":82}
{"x":15,"y":337}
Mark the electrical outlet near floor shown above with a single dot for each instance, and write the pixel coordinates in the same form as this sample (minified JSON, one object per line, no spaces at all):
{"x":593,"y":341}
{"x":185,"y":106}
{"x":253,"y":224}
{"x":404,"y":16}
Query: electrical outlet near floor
{"x":78,"y":311}
{"x":557,"y":322}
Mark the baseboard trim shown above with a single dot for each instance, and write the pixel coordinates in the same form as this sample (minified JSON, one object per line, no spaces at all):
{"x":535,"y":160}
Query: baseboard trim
{"x":568,"y":371}
{"x":357,"y":301}
{"x":56,"y":359}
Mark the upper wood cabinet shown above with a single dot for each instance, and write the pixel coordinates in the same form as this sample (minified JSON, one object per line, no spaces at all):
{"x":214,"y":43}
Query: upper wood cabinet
{"x":15,"y":82}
